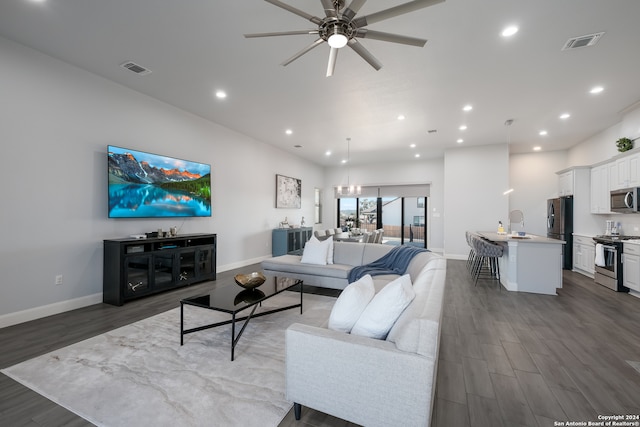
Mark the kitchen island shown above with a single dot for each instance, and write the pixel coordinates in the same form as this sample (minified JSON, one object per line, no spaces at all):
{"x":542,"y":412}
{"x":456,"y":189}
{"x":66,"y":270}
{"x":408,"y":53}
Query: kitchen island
{"x":529,"y":263}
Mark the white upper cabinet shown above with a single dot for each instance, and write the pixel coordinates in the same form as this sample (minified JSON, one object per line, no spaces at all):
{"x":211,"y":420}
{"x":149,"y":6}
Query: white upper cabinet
{"x":565,"y":183}
{"x":600,"y":200}
{"x":625,"y":172}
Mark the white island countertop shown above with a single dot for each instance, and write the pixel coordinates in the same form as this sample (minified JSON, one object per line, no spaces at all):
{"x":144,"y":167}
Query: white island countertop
{"x":528,"y":238}
{"x":529,"y":263}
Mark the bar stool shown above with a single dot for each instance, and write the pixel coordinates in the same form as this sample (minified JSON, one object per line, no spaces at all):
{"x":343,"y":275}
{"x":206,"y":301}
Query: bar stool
{"x":487,"y":256}
{"x":472,"y":252}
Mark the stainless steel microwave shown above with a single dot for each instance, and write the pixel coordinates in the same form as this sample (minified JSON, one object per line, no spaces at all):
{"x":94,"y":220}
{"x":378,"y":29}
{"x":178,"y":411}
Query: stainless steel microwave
{"x":625,"y":200}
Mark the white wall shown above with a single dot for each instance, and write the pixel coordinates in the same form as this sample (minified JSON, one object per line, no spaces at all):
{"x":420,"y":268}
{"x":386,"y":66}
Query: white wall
{"x":534,"y":180}
{"x":410,"y":172}
{"x":601,"y":147}
{"x":475,"y":179}
{"x":55,"y":124}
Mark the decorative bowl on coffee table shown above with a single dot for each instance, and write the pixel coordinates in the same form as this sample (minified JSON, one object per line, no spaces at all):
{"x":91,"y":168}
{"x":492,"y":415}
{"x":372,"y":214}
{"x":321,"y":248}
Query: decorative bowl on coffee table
{"x":251,"y":280}
{"x":248,"y":296}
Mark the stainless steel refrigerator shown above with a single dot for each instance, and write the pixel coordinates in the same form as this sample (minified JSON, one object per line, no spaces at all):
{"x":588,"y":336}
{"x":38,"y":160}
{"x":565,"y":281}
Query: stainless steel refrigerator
{"x":560,"y":226}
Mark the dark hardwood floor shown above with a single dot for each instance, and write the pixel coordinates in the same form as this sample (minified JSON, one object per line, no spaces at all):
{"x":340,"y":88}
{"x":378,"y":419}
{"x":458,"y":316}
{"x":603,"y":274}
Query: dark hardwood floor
{"x":506,"y":359}
{"x":517,"y":359}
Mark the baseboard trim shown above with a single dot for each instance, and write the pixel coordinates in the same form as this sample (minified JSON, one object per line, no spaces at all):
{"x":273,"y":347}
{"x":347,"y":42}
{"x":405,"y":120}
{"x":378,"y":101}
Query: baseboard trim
{"x":35,"y":313}
{"x":241,"y":264}
{"x":48,"y":310}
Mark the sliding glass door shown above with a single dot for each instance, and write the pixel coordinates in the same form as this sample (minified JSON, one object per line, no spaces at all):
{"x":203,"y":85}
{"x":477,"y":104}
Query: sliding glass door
{"x":401,"y":218}
{"x":414,"y":221}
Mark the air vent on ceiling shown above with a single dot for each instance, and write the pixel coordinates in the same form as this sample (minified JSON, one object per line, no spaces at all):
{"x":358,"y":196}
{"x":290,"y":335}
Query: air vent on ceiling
{"x":582,"y":41}
{"x":138,"y":69}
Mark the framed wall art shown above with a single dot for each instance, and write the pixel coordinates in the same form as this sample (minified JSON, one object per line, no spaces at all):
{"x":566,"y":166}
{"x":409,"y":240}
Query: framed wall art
{"x":288,"y":192}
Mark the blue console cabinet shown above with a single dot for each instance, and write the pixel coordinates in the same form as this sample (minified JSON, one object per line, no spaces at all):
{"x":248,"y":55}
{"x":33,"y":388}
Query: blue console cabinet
{"x":289,"y":240}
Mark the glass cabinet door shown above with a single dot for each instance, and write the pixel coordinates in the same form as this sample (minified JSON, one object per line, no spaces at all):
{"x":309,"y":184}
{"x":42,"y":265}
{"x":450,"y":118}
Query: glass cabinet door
{"x":187,"y":266}
{"x":163,"y":270}
{"x":137,"y":274}
{"x":205,"y":263}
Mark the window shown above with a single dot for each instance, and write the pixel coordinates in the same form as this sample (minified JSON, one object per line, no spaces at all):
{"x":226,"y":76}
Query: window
{"x":347,"y":212}
{"x":317,"y":216}
{"x":401,"y":218}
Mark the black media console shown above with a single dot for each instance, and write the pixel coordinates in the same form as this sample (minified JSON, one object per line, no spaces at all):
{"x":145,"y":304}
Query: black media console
{"x":137,"y":267}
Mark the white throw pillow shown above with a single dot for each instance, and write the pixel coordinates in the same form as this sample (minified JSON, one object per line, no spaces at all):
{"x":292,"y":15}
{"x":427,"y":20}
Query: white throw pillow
{"x":384,"y":309}
{"x":330,"y":251}
{"x":315,"y":251}
{"x":351,"y":303}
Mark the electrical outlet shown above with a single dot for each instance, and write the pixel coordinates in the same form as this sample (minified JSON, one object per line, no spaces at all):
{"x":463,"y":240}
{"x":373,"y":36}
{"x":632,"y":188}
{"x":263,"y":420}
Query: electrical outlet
{"x":635,"y":228}
{"x":59,"y":279}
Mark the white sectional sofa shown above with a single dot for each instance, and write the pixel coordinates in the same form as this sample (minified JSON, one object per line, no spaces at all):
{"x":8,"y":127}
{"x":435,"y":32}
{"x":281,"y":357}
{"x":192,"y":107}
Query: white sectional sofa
{"x":368,"y":381}
{"x":346,"y":255}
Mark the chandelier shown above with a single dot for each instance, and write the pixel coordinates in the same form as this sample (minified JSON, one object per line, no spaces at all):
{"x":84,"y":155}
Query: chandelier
{"x":349,"y":189}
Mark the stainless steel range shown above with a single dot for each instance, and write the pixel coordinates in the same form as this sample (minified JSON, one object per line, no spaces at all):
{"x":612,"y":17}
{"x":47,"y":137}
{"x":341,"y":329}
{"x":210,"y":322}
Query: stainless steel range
{"x":608,"y":271}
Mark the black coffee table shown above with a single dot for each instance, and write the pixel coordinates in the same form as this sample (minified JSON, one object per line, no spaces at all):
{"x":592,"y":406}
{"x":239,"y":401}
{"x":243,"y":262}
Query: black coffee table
{"x":231,"y":298}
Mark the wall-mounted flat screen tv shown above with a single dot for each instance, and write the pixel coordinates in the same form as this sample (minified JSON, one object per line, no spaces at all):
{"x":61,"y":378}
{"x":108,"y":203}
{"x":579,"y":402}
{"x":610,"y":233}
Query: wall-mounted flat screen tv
{"x":145,"y":185}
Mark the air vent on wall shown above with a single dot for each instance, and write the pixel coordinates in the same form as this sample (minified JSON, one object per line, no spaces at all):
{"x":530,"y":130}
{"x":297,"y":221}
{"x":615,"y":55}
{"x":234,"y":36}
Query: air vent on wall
{"x":138,"y":69}
{"x":582,"y":41}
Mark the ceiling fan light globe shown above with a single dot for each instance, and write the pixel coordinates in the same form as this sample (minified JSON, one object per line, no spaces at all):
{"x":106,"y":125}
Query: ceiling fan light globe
{"x":337,"y":40}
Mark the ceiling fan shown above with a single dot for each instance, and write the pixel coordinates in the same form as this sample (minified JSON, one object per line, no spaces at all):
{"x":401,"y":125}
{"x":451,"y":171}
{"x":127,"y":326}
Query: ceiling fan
{"x":341,"y":28}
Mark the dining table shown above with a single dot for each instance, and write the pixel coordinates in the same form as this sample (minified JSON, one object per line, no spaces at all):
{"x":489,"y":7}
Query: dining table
{"x":348,"y":237}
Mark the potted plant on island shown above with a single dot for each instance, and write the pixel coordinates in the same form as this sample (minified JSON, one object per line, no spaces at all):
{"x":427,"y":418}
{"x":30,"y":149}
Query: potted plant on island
{"x":624,"y":144}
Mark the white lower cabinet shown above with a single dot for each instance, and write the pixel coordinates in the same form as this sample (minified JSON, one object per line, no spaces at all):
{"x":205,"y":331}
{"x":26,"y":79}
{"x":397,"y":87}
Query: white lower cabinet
{"x":584,"y":254}
{"x":631,"y":266}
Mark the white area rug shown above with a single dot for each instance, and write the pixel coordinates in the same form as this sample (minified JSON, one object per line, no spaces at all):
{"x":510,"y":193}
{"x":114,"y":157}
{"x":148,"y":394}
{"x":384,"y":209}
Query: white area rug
{"x":139,"y":375}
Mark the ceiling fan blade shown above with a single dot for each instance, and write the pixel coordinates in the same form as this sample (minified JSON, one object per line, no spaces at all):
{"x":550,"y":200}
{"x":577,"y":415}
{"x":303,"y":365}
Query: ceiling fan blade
{"x":365,"y":54}
{"x":281,"y":33}
{"x":329,"y":8}
{"x":302,"y":52}
{"x":333,"y":55}
{"x":295,"y":11}
{"x":388,"y":37}
{"x":401,"y":9}
{"x":352,"y":9}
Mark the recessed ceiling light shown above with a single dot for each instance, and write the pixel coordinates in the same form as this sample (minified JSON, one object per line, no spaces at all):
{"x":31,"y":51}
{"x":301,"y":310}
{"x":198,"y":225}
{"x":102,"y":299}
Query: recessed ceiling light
{"x":288,"y":131}
{"x":460,"y":141}
{"x":463,"y":127}
{"x":412,"y":145}
{"x":328,"y":153}
{"x":509,"y":31}
{"x":221,"y":94}
{"x":537,"y":148}
{"x":467,"y":108}
{"x":401,"y":117}
{"x":417,"y":155}
{"x":344,"y":161}
{"x":542,"y":133}
{"x":596,"y":89}
{"x":565,"y":116}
